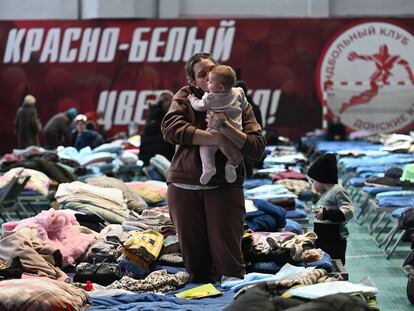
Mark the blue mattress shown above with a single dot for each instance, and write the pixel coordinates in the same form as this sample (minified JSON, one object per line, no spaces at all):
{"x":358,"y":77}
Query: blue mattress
{"x":147,"y":302}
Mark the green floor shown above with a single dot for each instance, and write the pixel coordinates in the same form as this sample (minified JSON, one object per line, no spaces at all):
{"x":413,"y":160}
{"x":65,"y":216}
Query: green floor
{"x":364,"y":259}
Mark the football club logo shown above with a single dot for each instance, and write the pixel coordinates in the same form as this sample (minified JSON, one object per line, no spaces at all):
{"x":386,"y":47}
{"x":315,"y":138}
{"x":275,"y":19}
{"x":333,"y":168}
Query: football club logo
{"x":365,"y":76}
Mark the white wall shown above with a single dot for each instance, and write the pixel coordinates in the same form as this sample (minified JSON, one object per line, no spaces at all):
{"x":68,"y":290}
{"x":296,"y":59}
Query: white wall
{"x":244,"y":8}
{"x":118,"y":9}
{"x":169,"y":8}
{"x":372,"y":7}
{"x":295,"y":8}
{"x":38,"y":9}
{"x":92,"y":9}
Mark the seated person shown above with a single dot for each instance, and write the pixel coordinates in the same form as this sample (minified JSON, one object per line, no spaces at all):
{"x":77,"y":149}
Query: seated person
{"x":336,"y":130}
{"x":84,"y":134}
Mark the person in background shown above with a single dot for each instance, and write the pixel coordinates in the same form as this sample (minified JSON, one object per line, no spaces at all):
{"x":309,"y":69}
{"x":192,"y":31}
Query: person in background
{"x":94,"y":118}
{"x":251,"y":165}
{"x":333,"y":209}
{"x":84,"y":134}
{"x":336,"y":130}
{"x":208,"y":219}
{"x":27,"y":124}
{"x":256,"y":109}
{"x":152,"y":142}
{"x":79,"y":126}
{"x":97,"y":138}
{"x":57,"y":129}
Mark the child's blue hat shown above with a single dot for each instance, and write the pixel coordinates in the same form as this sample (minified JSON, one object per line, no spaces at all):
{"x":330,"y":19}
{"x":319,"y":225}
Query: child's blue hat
{"x":72,"y":113}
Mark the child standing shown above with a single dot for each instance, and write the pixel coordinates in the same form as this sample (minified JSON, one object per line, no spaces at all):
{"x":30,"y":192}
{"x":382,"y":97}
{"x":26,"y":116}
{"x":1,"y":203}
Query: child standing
{"x":222,"y":97}
{"x":334,"y":208}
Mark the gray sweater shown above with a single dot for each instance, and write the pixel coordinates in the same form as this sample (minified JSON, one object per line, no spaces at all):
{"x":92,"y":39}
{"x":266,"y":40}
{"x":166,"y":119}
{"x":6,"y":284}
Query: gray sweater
{"x":338,"y":209}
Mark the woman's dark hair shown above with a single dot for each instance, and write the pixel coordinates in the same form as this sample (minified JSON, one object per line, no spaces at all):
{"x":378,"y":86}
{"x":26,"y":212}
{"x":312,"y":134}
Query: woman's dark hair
{"x":242,"y":84}
{"x":189,"y":65}
{"x":90,"y":125}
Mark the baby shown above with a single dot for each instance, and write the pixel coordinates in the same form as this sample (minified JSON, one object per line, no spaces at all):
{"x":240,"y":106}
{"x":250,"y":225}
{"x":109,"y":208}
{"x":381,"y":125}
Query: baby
{"x":224,"y":98}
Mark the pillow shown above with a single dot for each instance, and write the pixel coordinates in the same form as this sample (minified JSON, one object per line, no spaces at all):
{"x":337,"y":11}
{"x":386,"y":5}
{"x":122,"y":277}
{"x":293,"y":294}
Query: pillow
{"x":134,"y":201}
{"x":152,"y":192}
{"x":161,"y":164}
{"x":41,"y":294}
{"x":38,"y":182}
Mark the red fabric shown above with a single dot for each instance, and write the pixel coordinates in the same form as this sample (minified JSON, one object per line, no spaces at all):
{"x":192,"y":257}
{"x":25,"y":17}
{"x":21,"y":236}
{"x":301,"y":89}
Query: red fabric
{"x":289,"y":174}
{"x":92,"y":116}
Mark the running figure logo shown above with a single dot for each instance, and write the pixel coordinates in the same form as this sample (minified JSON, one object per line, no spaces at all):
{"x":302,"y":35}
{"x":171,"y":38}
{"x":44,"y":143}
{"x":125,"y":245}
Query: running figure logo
{"x":384,"y":63}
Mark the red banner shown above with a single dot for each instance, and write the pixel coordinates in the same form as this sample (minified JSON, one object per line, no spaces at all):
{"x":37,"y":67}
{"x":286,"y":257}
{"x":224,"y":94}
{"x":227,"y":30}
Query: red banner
{"x":116,"y":66}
